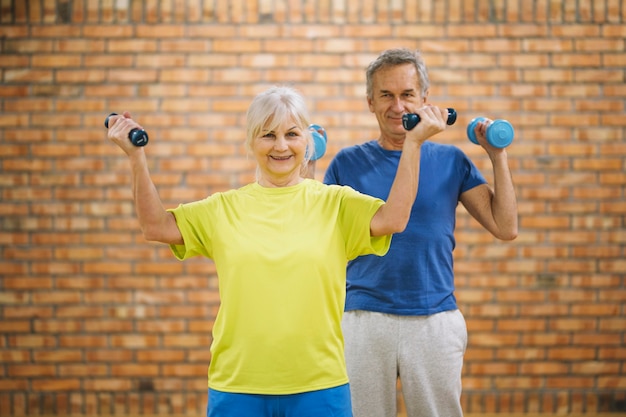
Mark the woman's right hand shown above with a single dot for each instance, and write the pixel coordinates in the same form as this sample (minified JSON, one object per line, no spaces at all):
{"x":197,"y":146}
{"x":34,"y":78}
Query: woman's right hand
{"x":120,"y":126}
{"x":432,"y":121}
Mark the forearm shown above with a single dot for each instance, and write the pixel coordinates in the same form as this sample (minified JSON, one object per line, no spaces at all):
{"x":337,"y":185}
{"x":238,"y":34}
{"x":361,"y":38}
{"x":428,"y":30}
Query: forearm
{"x":393,"y":217}
{"x":156,"y":223}
{"x":504,"y":203}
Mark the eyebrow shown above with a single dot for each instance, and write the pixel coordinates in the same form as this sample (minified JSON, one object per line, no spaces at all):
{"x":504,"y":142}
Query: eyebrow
{"x":294,"y":127}
{"x":266,"y":131}
{"x":408,"y":90}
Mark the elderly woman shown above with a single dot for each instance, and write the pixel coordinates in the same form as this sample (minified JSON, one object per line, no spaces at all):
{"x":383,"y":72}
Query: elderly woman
{"x":280,"y":246}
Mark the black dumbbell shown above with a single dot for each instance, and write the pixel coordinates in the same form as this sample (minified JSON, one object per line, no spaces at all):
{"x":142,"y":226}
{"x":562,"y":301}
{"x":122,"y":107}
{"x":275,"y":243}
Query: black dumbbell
{"x":138,"y":137}
{"x":410,"y":120}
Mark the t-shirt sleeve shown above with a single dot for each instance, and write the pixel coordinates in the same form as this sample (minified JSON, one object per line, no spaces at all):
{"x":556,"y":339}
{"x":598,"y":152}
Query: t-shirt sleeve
{"x":193,"y":220}
{"x":472,"y":176}
{"x":357,"y":210}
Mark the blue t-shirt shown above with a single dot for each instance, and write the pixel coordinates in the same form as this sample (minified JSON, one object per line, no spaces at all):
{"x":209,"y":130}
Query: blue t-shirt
{"x":416,"y":276}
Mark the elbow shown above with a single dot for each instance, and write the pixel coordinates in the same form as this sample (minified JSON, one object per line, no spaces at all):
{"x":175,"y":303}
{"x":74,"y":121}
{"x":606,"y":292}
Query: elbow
{"x":388,"y":228}
{"x":508,"y":234}
{"x":151,"y":234}
{"x":512,"y":236}
{"x":162,"y":234}
{"x":399,"y":225}
{"x":399,"y":229}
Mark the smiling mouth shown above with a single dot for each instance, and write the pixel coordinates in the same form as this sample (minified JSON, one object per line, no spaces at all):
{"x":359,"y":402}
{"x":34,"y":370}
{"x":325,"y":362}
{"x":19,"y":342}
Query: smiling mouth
{"x":280,"y":158}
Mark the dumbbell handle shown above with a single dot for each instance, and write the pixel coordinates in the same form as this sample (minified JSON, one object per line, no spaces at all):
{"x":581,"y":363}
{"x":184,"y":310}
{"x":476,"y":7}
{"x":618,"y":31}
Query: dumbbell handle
{"x":410,"y":120}
{"x":138,"y":137}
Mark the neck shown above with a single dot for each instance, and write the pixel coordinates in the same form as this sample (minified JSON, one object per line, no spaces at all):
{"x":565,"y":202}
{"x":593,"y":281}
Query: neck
{"x":391,"y":144}
{"x":278,"y":183}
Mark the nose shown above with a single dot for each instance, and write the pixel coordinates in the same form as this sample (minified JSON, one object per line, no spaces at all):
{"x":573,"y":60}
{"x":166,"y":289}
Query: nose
{"x":397,"y":105}
{"x":280,"y":144}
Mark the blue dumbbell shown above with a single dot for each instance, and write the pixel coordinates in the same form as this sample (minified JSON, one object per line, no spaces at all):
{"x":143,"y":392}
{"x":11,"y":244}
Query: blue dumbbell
{"x":319,"y":140}
{"x":138,"y":137}
{"x":499,"y":133}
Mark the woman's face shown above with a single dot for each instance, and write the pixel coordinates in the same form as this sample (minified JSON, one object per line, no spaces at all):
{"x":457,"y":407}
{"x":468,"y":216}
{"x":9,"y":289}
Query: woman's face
{"x":280,"y":153}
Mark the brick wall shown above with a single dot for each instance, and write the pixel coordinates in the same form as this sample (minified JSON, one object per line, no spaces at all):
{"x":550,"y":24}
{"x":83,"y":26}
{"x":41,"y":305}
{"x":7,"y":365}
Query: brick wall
{"x":94,"y":320}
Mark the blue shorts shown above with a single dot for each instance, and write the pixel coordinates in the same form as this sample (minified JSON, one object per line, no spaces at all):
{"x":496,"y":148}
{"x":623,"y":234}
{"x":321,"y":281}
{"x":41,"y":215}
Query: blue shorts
{"x":331,"y":402}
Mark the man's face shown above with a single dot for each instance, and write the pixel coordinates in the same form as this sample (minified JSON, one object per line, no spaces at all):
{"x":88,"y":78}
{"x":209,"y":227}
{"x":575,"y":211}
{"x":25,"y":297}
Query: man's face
{"x":395,"y":91}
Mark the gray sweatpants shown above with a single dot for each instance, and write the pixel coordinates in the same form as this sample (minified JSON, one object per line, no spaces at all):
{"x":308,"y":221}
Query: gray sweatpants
{"x":425,"y":352}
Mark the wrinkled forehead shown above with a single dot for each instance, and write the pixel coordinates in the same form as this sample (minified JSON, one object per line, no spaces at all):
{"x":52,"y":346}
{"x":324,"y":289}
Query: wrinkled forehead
{"x":397,"y":77}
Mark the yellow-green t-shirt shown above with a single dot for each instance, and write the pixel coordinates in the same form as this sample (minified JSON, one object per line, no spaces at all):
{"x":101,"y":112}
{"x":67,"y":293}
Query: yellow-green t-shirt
{"x":281,"y":256}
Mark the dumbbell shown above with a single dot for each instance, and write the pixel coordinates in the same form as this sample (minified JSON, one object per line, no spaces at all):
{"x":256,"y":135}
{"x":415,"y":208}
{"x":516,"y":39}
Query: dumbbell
{"x":499,"y":133}
{"x":410,"y":120}
{"x":138,"y":137}
{"x":319,"y":140}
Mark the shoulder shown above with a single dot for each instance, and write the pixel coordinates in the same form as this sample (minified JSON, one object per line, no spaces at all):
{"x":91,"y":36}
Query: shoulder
{"x":329,"y":190}
{"x":356,"y":157}
{"x":360,"y":149}
{"x":442,"y":149}
{"x":219,"y":199}
{"x":445,"y":154}
{"x":311,"y":185}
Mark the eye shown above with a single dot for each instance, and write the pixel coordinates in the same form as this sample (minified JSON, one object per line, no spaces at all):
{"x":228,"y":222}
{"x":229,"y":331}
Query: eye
{"x":268,"y":135}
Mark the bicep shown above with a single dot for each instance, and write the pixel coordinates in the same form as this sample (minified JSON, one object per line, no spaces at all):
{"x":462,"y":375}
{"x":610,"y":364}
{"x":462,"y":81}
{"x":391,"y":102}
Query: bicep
{"x":377,"y":223}
{"x":170,"y":233}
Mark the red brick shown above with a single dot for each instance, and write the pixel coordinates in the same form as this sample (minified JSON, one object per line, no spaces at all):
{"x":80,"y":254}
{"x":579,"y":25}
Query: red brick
{"x":160,"y":31}
{"x":20,"y":326}
{"x":569,"y":383}
{"x":13,"y":385}
{"x":81,"y":341}
{"x":161,"y":355}
{"x":612,"y":30}
{"x":83,"y":370}
{"x":185,"y":370}
{"x":57,"y":297}
{"x":31,"y":341}
{"x":80,"y":76}
{"x":142,"y":370}
{"x":107,"y":297}
{"x":108,"y":384}
{"x":542,"y":368}
{"x":605,"y":382}
{"x":572,"y":324}
{"x":134,"y":341}
{"x":58,"y":326}
{"x":15,"y":356}
{"x":55,"y":60}
{"x":20,"y":371}
{"x":109,"y":355}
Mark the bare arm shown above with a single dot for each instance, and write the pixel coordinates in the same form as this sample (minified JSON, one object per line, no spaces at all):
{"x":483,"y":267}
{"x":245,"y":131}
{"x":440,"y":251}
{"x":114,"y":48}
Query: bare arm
{"x":494,"y":208}
{"x":156,"y":223}
{"x":394,"y":215}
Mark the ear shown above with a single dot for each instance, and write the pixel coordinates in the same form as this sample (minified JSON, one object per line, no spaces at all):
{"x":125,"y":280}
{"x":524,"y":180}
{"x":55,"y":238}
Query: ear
{"x":370,"y":105}
{"x":426,"y":96}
